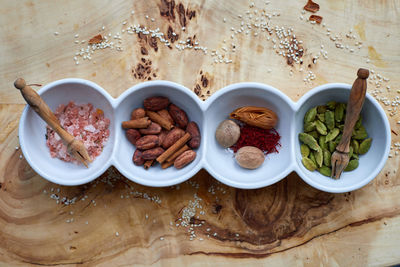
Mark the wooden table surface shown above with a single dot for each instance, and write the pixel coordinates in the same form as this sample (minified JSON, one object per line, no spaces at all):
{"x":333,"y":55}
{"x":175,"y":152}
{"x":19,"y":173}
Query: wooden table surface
{"x":114,"y":222}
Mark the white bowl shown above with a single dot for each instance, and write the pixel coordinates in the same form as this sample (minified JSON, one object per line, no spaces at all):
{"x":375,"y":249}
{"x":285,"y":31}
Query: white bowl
{"x":32,"y":130}
{"x":221,"y":163}
{"x":375,"y":122}
{"x":133,"y":98}
{"x":218,"y":161}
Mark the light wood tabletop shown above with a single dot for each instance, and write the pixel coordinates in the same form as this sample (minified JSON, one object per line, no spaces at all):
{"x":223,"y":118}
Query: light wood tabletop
{"x":205,"y":46}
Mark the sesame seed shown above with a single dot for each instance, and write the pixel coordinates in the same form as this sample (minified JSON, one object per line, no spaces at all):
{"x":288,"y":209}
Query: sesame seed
{"x":161,"y":238}
{"x":116,"y":234}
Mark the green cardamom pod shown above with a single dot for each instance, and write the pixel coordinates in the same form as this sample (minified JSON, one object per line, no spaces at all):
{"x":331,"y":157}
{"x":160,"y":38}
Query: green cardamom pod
{"x":310,"y":115}
{"x":332,"y":134}
{"x":358,"y":123}
{"x":321,"y":109}
{"x":332,"y":146}
{"x":325,"y":171}
{"x":353,"y":164}
{"x":322,"y":143}
{"x":319,"y":157}
{"x":309,"y":164}
{"x":330,"y":119}
{"x":360,"y":134}
{"x":331,"y":105}
{"x":305,"y":150}
{"x":338,"y":138}
{"x":312,"y":158}
{"x":339,"y":112}
{"x":321,"y":128}
{"x":309,"y":126}
{"x":327,"y":158}
{"x":321,"y":117}
{"x":314,"y":134}
{"x":355,"y":145}
{"x":309,"y":141}
{"x":364,"y":146}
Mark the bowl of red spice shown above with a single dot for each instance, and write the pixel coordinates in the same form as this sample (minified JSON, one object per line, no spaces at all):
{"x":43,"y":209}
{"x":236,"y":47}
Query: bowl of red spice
{"x":85,"y":110}
{"x":272,"y":146}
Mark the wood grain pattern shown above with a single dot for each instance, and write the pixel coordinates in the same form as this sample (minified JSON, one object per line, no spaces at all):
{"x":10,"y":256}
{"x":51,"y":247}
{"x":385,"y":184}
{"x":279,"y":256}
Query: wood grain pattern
{"x":116,"y":222}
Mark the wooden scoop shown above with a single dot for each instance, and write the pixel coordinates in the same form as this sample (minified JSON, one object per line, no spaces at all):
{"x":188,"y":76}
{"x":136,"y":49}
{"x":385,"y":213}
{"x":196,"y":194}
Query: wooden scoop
{"x":74,"y":146}
{"x":340,"y":158}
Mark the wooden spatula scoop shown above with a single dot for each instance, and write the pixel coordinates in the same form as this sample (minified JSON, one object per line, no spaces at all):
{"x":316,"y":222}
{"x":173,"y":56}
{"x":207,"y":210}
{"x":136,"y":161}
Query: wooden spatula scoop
{"x":74,"y":146}
{"x":340,"y":158}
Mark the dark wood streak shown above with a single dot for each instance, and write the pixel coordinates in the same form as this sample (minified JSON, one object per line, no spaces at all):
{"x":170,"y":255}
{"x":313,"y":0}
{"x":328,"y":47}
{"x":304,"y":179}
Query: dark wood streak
{"x":374,"y":219}
{"x":53,"y":264}
{"x":258,"y":255}
{"x":181,"y":14}
{"x":167,"y":9}
{"x":204,"y":80}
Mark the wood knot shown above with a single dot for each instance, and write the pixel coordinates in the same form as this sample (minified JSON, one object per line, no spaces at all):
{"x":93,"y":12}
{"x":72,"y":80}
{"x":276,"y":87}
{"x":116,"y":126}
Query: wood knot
{"x":216,"y":208}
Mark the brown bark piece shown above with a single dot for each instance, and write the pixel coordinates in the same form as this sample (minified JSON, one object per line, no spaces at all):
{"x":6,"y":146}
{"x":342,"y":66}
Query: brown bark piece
{"x":311,"y":6}
{"x":96,"y":39}
{"x":316,"y":18}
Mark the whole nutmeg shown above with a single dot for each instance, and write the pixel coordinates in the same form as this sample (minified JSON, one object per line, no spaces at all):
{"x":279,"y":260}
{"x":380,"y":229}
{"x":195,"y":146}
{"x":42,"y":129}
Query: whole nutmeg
{"x":227,"y":133}
{"x":249,"y":157}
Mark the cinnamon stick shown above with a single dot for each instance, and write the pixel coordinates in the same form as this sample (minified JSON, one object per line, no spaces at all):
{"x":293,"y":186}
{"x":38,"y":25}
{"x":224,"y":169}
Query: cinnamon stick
{"x":167,"y":164}
{"x":177,"y":153}
{"x":148,"y":164}
{"x":172,"y":149}
{"x":155,"y":117}
{"x":138,"y":123}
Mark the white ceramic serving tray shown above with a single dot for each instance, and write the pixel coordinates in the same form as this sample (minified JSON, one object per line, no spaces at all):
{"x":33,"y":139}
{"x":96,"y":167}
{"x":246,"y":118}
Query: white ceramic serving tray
{"x":219,"y":162}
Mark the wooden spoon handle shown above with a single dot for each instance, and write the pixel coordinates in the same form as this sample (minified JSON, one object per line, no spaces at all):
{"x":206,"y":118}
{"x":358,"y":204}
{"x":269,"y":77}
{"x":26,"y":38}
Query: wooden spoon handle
{"x":354,"y":106}
{"x":42,"y":109}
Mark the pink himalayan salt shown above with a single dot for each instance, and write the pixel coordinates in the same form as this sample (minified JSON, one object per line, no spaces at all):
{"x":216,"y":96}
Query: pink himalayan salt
{"x":86,"y":124}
